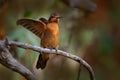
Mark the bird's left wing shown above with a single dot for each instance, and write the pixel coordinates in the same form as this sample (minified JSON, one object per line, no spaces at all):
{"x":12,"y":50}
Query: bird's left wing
{"x":37,"y":27}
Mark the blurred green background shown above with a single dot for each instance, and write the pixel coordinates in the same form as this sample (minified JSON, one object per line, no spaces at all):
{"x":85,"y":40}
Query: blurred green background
{"x":89,"y":32}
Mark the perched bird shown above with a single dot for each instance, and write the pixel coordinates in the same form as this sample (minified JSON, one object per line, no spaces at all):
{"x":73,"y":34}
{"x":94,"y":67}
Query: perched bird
{"x":47,"y":31}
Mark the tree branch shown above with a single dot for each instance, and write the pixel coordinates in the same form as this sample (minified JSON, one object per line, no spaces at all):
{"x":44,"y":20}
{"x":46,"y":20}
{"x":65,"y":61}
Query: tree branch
{"x":49,"y":51}
{"x":59,"y":52}
{"x":8,"y":61}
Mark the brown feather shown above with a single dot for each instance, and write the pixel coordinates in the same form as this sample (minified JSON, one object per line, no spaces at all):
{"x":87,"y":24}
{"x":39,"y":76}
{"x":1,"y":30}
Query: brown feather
{"x":37,"y":27}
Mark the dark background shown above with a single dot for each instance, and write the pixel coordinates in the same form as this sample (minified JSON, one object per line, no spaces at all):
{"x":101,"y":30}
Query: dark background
{"x":89,"y":32}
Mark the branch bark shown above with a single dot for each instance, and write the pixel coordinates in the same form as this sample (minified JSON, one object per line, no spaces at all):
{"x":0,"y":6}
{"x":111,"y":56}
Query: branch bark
{"x":8,"y":61}
{"x":39,"y":49}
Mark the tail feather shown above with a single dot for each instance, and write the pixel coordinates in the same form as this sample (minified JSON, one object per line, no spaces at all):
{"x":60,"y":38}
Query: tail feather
{"x":42,"y":61}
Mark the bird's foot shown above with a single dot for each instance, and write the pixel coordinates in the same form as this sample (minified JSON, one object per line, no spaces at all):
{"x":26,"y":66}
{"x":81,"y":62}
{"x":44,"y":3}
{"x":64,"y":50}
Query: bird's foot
{"x":56,"y":50}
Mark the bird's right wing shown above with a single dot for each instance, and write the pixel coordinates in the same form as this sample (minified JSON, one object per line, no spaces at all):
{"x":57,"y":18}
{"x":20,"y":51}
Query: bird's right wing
{"x":37,"y":27}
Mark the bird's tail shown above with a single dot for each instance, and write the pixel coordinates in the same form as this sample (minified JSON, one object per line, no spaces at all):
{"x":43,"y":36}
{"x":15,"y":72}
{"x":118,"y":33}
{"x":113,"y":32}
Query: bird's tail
{"x":42,"y":61}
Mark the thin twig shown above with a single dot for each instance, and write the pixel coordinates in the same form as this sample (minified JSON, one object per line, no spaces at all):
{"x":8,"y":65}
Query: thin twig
{"x":79,"y":71}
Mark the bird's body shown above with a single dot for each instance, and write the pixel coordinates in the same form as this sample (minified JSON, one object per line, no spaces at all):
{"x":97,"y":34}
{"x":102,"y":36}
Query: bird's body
{"x":50,"y":38}
{"x":47,"y":31}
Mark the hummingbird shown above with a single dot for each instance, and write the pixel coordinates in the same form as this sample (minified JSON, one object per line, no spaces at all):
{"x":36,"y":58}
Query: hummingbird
{"x":48,"y":32}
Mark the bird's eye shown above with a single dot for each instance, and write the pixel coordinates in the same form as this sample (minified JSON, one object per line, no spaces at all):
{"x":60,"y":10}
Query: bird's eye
{"x":52,"y":16}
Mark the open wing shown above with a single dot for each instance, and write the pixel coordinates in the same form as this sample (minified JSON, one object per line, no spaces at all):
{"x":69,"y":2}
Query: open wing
{"x":37,"y":27}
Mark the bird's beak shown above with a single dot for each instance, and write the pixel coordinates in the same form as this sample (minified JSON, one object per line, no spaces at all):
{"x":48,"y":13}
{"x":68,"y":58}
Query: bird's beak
{"x":59,"y":17}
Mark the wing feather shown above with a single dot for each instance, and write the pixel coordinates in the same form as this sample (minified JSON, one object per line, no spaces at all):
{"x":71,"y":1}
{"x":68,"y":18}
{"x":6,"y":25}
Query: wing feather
{"x":37,"y":27}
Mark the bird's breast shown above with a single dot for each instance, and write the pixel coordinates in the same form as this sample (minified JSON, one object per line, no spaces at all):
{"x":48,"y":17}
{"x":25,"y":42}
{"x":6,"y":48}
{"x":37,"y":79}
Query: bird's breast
{"x":51,"y":36}
{"x":53,"y":28}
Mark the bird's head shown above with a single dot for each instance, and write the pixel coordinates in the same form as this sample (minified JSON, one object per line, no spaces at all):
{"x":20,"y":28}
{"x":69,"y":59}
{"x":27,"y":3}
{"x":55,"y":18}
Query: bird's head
{"x":54,"y":17}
